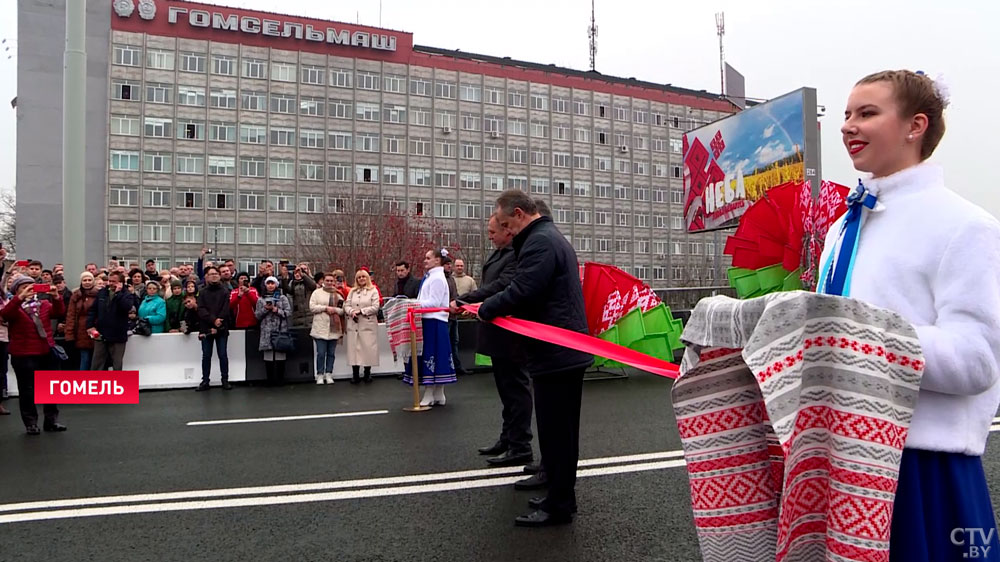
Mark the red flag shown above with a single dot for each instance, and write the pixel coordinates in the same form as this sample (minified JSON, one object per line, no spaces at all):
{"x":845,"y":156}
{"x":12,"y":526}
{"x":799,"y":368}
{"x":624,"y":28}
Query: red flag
{"x":609,"y":293}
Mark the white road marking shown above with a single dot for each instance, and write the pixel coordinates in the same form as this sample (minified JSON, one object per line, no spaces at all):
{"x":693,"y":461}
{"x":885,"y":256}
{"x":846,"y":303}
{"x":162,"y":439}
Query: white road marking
{"x":465,"y":475}
{"x":316,"y":497}
{"x":290,"y":418}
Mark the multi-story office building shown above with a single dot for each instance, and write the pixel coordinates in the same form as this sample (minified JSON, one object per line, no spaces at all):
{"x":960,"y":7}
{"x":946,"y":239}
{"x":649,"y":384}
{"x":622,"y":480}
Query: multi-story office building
{"x":233,"y":129}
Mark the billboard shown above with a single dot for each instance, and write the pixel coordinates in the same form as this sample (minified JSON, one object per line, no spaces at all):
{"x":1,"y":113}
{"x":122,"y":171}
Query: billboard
{"x":731,"y":163}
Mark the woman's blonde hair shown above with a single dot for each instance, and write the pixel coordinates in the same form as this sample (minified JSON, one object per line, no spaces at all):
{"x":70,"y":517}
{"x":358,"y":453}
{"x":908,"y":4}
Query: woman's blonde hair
{"x":916,"y":93}
{"x":359,"y":273}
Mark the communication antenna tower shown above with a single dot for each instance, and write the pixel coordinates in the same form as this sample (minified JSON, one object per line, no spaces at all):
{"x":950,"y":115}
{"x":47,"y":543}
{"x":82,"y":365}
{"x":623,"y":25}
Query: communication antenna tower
{"x":720,"y":25}
{"x":592,"y":33}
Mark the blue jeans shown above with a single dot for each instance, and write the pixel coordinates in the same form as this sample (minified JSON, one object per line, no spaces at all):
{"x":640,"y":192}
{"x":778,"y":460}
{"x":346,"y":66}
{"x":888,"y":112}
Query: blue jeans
{"x":325,"y":352}
{"x":221,"y":343}
{"x":85,"y":356}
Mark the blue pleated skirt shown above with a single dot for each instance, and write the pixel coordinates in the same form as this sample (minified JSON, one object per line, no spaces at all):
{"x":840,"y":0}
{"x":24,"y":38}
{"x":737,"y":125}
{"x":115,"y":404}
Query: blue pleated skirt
{"x":942,"y":510}
{"x":435,"y":365}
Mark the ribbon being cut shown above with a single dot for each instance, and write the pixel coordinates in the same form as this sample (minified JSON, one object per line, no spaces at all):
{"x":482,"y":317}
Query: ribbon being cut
{"x":793,"y":409}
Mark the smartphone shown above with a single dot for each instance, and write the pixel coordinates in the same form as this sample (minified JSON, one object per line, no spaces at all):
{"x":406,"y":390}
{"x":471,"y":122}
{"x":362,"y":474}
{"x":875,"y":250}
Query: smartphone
{"x":41,"y":288}
{"x":22,"y":263}
{"x":460,"y":302}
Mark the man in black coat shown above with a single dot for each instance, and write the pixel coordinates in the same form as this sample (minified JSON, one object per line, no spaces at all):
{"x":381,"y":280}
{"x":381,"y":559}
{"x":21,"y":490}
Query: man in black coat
{"x":109,"y":315}
{"x":547,"y":290}
{"x":214,"y":322}
{"x":514,"y":445}
{"x":406,"y":284}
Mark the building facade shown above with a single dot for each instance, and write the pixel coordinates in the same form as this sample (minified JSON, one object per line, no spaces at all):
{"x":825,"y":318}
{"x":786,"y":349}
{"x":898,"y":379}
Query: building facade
{"x":235,"y":129}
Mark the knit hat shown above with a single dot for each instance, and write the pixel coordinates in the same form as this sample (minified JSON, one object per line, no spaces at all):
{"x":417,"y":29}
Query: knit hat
{"x":86,"y":275}
{"x":271,"y":279}
{"x":153,"y":283}
{"x":175,"y":282}
{"x":19,"y":281}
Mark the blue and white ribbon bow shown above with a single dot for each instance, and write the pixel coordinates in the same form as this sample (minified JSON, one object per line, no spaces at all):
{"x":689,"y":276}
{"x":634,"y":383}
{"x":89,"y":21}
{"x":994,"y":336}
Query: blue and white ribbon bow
{"x":840,"y":263}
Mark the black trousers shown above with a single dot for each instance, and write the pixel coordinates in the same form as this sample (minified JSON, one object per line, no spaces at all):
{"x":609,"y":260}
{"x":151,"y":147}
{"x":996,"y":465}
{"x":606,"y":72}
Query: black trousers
{"x":557,"y":411}
{"x":24,"y":370}
{"x":515,"y":395}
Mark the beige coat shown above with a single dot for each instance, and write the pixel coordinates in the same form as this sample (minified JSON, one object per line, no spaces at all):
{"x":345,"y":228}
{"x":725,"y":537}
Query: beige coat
{"x":362,"y":336}
{"x":318,"y":303}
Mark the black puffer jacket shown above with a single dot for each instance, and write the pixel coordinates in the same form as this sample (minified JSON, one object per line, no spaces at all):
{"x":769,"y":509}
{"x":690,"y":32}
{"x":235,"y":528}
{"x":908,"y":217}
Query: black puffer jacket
{"x":109,"y":314}
{"x":545,"y":289}
{"x":498,"y":271}
{"x":213,"y":303}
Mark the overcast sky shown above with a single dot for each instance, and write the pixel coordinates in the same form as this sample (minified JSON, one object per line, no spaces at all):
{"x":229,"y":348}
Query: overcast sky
{"x":778,"y":45}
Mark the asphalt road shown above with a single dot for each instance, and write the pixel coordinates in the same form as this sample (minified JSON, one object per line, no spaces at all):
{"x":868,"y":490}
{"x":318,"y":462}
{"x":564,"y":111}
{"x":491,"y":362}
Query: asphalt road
{"x":376,"y":487}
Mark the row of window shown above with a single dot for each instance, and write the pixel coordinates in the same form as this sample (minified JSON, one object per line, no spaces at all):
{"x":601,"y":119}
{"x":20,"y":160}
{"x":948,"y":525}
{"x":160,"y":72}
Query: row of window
{"x":495,"y":125}
{"x":285,"y":168}
{"x":228,"y":65}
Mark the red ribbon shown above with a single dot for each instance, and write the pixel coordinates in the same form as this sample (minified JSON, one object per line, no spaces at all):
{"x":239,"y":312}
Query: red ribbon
{"x":568,"y":338}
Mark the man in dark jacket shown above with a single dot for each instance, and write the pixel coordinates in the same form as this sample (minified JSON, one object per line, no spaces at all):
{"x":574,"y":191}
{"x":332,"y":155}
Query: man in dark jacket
{"x":406,"y":284}
{"x":109,"y":316}
{"x":547,"y":290}
{"x":514,"y":444}
{"x":214,"y":324}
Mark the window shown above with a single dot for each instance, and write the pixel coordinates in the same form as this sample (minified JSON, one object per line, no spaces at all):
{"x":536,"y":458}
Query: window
{"x":254,"y":68}
{"x":393,"y":175}
{"x":223,"y":98}
{"x":367,"y":142}
{"x":123,"y":196}
{"x":561,"y":159}
{"x":221,"y":234}
{"x":583,"y":243}
{"x":127,"y":160}
{"x":444,"y":149}
{"x":283,"y":71}
{"x":539,"y":102}
{"x":420,"y":116}
{"x":221,"y":165}
{"x":222,"y":132}
{"x":312,"y":171}
{"x":493,"y":95}
{"x":470,"y":180}
{"x":539,"y":158}
{"x":560,"y":132}
{"x":622,"y":192}
{"x":157,"y":162}
{"x":640,"y":142}
{"x":493,"y":182}
{"x":602,"y":163}
{"x":420,"y":87}
{"x":515,"y":98}
{"x":581,"y":161}
{"x":642,"y":220}
{"x":494,"y":153}
{"x":224,"y":65}
{"x":281,"y":103}
{"x":493,"y":124}
{"x":420,"y":147}
{"x":394,"y":83}
{"x":253,"y":101}
{"x":581,"y":107}
{"x":251,"y":167}
{"x":310,"y":203}
{"x":675,"y":122}
{"x":676,"y":172}
{"x":445,"y":209}
{"x":190,"y":164}
{"x":517,"y":127}
{"x":313,"y":74}
{"x":660,"y":170}
{"x":470,"y":92}
{"x":394,"y":114}
{"x":641,"y":193}
{"x":677,"y":223}
{"x":156,"y":197}
{"x":581,"y":188}
{"x":539,"y":129}
{"x":659,"y":144}
{"x":561,"y":187}
{"x":581,"y":134}
{"x":622,"y":245}
{"x":640,"y":168}
{"x":253,"y":134}
{"x":676,"y":146}
{"x":312,"y":138}
{"x":189,"y":199}
{"x":581,"y":216}
{"x":190,"y":130}
{"x":338,"y":172}
{"x":445,"y":90}
{"x":560,"y":105}
{"x":367,"y":173}
{"x":366,"y":111}
{"x":282,"y":169}
{"x":517,"y":155}
{"x":444,"y":179}
{"x":602,"y":190}
{"x":281,"y":202}
{"x":191,"y":95}
{"x":602,"y":218}
{"x":251,"y":201}
{"x":420,"y":176}
{"x":392,"y":144}
{"x":341,"y":77}
{"x":123,"y":232}
{"x":603,"y":244}
{"x":128,"y":55}
{"x":281,"y":235}
{"x":341,"y":140}
{"x":640,"y":116}
{"x":471,"y":122}
{"x":282,"y":136}
{"x":192,"y":62}
{"x":561,"y":216}
{"x":251,"y":234}
{"x":125,"y":90}
{"x":341,"y":109}
{"x":621,"y":219}
{"x":621,"y":113}
{"x":677,"y":273}
{"x":624,"y":166}
{"x":125,"y":125}
{"x":312,"y":106}
{"x":539,"y":185}
{"x":445,"y":119}
{"x":472,"y":151}
{"x":468,"y":210}
{"x":159,"y":93}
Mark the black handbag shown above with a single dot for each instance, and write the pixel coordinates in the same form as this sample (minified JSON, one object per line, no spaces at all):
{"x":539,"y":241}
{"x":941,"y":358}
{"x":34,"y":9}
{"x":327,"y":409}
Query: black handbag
{"x":143,"y":327}
{"x":281,"y":340}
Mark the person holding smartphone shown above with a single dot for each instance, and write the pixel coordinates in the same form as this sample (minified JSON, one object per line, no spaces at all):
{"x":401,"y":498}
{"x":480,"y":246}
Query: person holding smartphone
{"x":31,"y":341}
{"x":107,"y":322}
{"x":243,"y":303}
